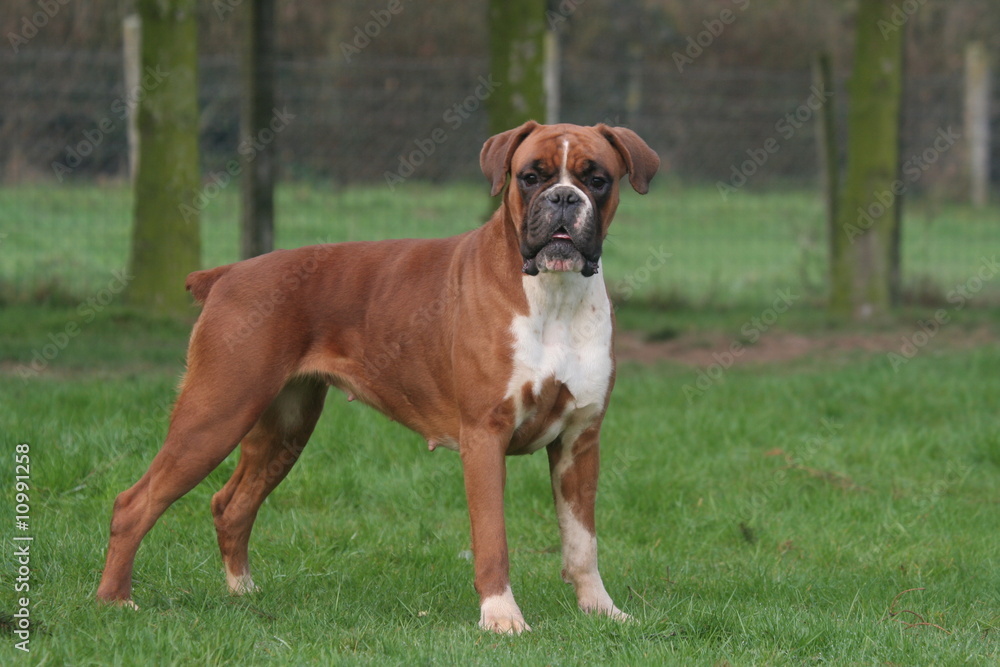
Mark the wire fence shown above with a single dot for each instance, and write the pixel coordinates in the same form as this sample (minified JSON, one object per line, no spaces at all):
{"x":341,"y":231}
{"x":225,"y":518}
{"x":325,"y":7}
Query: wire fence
{"x":730,"y":136}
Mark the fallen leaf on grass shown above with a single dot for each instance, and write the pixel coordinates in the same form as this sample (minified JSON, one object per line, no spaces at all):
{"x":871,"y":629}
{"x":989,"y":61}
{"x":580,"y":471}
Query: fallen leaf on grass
{"x":839,"y":480}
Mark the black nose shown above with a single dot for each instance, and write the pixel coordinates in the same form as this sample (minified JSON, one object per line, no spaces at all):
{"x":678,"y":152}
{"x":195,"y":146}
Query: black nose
{"x":562,"y":196}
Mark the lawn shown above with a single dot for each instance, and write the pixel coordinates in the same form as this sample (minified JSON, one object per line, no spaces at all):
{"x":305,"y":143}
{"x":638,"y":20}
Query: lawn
{"x":779,"y":517}
{"x":701,"y":250}
{"x":828,"y":508}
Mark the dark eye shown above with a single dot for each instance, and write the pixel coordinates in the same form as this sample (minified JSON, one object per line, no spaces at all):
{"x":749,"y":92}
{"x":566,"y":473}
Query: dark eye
{"x":597,"y":182}
{"x":530,"y":179}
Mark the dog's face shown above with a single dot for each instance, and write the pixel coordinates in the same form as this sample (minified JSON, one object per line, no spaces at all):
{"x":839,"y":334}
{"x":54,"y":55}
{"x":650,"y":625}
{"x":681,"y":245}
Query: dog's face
{"x":564,"y":188}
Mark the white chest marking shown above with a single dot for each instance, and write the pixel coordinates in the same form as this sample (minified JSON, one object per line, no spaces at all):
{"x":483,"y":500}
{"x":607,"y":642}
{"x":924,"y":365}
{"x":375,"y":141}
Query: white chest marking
{"x":566,"y":336}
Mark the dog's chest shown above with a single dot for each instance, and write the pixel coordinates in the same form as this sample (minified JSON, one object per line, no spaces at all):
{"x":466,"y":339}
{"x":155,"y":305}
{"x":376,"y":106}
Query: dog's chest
{"x":562,"y":361}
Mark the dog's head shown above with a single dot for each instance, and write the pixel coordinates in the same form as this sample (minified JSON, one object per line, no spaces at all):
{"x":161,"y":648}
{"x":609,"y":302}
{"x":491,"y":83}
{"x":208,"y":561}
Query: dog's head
{"x":564,"y":188}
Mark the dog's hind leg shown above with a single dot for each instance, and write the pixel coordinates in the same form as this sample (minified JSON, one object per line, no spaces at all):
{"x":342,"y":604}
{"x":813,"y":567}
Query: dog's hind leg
{"x":213,"y":413}
{"x":267,"y":453}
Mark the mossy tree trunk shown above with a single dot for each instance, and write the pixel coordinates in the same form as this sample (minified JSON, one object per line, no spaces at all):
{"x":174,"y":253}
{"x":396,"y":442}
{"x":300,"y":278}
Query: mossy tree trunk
{"x":166,"y":240}
{"x":865,"y":233}
{"x":517,"y":63}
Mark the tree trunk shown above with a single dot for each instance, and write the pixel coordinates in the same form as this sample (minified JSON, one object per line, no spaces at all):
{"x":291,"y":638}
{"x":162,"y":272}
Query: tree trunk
{"x":257,"y":186}
{"x":166,"y":240}
{"x":517,"y":55}
{"x":863,"y":238}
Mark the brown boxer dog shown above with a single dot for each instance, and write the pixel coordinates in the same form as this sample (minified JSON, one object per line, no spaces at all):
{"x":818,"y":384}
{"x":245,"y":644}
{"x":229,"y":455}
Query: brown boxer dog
{"x":494,"y":342}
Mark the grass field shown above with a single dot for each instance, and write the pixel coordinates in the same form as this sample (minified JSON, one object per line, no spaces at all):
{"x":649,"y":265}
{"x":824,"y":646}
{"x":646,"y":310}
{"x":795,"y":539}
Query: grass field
{"x":66,"y":242}
{"x":772,"y":520}
{"x":830,"y":509}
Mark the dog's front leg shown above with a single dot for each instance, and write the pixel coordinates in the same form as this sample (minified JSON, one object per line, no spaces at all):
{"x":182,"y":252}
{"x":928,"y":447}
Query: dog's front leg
{"x":484,"y":470}
{"x":574,"y":469}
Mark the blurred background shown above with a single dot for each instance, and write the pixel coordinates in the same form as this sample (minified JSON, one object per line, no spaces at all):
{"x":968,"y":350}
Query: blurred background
{"x":359,"y":109}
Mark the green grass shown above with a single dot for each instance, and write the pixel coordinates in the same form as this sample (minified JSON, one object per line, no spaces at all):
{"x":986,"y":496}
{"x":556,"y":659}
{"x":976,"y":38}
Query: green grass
{"x":772,"y":520}
{"x":67,"y":241}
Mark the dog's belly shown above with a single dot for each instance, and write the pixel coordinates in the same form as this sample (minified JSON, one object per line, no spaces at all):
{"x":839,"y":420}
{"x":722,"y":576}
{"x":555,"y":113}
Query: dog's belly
{"x":429,"y":410}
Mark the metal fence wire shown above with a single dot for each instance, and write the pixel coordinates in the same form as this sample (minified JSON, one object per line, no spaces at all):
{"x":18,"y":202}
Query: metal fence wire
{"x":63,"y":117}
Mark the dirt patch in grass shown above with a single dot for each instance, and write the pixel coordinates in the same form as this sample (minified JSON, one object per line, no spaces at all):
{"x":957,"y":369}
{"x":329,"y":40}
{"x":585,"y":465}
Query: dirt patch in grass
{"x":699,"y":349}
{"x":703,"y":349}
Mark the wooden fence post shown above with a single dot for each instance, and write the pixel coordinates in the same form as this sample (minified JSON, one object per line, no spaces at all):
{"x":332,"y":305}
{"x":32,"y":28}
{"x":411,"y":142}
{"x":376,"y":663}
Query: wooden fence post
{"x":131,"y":52}
{"x":977,"y":121}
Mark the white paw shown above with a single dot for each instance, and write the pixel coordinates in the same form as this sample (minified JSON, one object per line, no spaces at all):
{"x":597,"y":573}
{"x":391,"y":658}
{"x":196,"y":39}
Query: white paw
{"x":510,"y":625}
{"x":124,"y":604}
{"x":610,"y":610}
{"x":593,"y":599}
{"x":240,"y":584}
{"x":499,"y":613}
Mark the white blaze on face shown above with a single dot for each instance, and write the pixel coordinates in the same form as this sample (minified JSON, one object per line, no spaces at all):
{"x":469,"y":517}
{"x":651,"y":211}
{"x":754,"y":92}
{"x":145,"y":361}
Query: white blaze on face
{"x":563,"y":166}
{"x":587,"y":209}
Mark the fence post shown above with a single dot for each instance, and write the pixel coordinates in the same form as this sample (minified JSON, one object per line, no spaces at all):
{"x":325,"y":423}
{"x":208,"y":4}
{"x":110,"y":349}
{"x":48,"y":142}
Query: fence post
{"x":977,"y":121}
{"x":826,"y":137}
{"x":131,"y":50}
{"x":257,"y":184}
{"x":553,"y":65}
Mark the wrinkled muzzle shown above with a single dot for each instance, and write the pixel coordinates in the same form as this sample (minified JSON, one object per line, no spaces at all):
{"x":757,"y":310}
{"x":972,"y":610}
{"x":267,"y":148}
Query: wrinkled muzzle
{"x":561,"y":233}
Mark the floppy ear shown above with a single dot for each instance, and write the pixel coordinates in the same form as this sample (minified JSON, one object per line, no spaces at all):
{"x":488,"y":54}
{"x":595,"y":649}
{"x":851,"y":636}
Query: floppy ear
{"x":641,"y":161}
{"x":497,"y":152}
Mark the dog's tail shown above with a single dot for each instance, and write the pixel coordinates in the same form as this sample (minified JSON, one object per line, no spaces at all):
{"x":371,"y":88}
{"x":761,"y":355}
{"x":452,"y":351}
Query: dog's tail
{"x":200,"y":283}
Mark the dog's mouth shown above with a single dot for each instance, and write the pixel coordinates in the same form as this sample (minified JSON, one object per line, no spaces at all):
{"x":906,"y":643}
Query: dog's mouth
{"x":560,"y":255}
